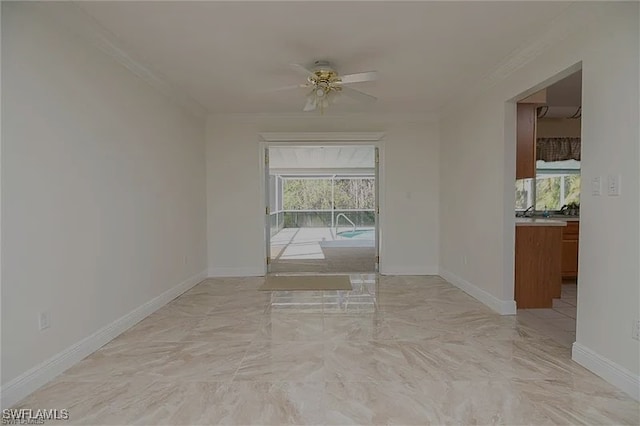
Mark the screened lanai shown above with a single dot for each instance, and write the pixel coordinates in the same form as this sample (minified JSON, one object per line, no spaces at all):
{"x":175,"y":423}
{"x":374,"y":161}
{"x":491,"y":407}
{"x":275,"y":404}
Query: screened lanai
{"x":322,"y":209}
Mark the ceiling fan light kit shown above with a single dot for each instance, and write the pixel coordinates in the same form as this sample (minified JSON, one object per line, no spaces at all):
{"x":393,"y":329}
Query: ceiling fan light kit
{"x":326,"y":85}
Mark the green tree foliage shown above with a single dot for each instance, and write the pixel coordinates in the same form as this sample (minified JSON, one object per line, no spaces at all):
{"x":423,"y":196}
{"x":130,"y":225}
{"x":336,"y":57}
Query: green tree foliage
{"x":572,"y":189}
{"x":548,"y":191}
{"x":522,"y":193}
{"x":354,"y":193}
{"x":315,"y":194}
{"x":307,"y":194}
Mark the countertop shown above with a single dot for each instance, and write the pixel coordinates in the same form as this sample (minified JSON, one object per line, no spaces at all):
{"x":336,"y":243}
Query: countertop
{"x":535,"y":221}
{"x":566,"y":218}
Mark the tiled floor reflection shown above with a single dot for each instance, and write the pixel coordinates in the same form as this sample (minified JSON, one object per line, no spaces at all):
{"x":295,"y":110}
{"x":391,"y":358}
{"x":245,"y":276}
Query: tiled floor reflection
{"x":394,"y":350}
{"x":361,"y":299}
{"x":559,"y":322}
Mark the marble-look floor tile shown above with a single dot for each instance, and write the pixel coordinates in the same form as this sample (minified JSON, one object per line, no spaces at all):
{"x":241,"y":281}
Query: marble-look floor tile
{"x":184,"y":361}
{"x":566,"y":324}
{"x":535,"y":359}
{"x":410,"y":330}
{"x":213,"y":328}
{"x":559,"y":303}
{"x":356,"y":328}
{"x":99,"y":403}
{"x":581,"y":402}
{"x":287,"y":327}
{"x":120,"y":360}
{"x":546,"y":313}
{"x":394,"y":350}
{"x":424,"y":403}
{"x":379,"y":403}
{"x":361,"y":361}
{"x":160,"y":328}
{"x":189,"y":305}
{"x":283,"y":361}
{"x":451,"y":360}
{"x":482,"y":403}
{"x":569,"y":311}
{"x":204,"y":361}
{"x":268,"y":403}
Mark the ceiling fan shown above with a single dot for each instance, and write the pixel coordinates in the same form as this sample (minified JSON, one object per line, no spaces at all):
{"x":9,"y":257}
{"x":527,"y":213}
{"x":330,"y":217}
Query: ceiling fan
{"x":325,"y":85}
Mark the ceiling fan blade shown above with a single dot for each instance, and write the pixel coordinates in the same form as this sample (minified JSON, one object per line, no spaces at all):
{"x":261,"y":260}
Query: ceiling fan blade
{"x":311,"y":103}
{"x":359,"y":77}
{"x":302,"y":70}
{"x":310,"y":106}
{"x":280,"y":89}
{"x":358,"y":95}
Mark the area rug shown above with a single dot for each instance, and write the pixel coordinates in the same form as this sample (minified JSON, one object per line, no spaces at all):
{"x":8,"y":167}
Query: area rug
{"x":306,"y":282}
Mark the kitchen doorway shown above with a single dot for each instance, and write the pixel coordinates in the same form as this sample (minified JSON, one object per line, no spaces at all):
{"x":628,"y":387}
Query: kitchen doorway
{"x":547,"y":207}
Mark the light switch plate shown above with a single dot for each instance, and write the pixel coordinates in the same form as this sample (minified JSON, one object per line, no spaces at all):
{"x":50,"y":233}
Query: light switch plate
{"x":613,"y":185}
{"x":596,"y":186}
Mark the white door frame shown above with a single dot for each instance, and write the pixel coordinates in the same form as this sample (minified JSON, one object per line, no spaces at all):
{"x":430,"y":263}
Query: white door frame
{"x":273,"y":139}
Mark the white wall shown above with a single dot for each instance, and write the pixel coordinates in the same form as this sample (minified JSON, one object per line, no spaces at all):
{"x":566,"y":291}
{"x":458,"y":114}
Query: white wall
{"x":478,"y":169}
{"x":235,"y":205}
{"x":103,"y":191}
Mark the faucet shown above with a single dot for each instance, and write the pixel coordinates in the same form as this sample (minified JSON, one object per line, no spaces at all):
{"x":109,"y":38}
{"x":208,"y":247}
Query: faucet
{"x":528,"y":212}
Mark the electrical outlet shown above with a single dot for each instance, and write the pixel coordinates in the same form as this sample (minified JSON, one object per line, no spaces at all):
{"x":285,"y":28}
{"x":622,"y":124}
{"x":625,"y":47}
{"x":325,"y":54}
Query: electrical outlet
{"x":185,"y":260}
{"x":44,"y":320}
{"x":636,"y":330}
{"x":464,"y":259}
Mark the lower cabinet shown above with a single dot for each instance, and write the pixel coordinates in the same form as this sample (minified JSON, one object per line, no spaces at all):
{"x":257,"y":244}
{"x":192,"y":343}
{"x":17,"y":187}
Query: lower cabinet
{"x":570,"y":250}
{"x":537,"y":266}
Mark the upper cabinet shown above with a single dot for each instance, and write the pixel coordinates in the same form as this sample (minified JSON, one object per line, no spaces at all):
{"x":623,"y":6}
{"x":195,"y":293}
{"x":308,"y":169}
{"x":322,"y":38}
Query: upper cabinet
{"x":526,"y":141}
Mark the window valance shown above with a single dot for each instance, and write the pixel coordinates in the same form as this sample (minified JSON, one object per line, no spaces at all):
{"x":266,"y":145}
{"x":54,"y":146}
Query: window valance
{"x":558,"y":149}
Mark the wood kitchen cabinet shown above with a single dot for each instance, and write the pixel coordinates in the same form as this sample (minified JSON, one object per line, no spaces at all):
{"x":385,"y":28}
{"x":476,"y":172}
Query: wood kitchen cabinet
{"x":537,"y":266}
{"x":526,"y":141}
{"x":570,"y":250}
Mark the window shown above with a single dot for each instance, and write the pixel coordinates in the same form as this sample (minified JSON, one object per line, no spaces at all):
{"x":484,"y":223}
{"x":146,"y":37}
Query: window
{"x":347,"y":193}
{"x":556,"y":184}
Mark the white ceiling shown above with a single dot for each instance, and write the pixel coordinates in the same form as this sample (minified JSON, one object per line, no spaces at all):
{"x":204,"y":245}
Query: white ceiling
{"x":224,"y":55}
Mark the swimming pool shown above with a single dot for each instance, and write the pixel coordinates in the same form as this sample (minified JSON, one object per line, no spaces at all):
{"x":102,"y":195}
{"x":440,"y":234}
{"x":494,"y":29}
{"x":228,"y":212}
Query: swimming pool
{"x":358,"y":234}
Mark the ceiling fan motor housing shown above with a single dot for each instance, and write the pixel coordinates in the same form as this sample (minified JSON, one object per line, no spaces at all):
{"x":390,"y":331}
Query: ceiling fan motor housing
{"x":324,"y":78}
{"x":326,"y":84}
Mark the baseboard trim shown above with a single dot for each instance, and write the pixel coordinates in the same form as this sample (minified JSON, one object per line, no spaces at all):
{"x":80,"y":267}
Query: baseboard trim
{"x":28,"y":382}
{"x":503,"y":307}
{"x":408,"y":270}
{"x":613,"y":373}
{"x":223,"y":271}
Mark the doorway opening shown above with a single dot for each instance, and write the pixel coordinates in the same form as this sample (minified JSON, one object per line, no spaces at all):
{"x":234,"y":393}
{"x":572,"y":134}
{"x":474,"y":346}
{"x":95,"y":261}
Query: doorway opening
{"x":322,"y":214}
{"x":547,"y":205}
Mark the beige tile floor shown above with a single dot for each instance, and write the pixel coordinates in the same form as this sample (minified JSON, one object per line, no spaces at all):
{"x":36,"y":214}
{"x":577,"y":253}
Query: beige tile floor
{"x":559,"y":322}
{"x":395,"y":350}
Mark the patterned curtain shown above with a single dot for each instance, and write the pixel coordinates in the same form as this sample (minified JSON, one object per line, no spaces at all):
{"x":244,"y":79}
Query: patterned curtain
{"x":558,"y":149}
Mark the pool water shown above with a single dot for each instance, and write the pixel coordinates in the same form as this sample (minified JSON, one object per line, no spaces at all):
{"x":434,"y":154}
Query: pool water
{"x":358,"y":234}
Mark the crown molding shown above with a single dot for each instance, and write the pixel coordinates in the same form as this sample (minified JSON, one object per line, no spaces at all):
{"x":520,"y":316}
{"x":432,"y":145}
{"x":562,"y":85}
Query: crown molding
{"x":72,"y":18}
{"x":321,"y":136}
{"x":408,"y":117}
{"x":574,"y":17}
